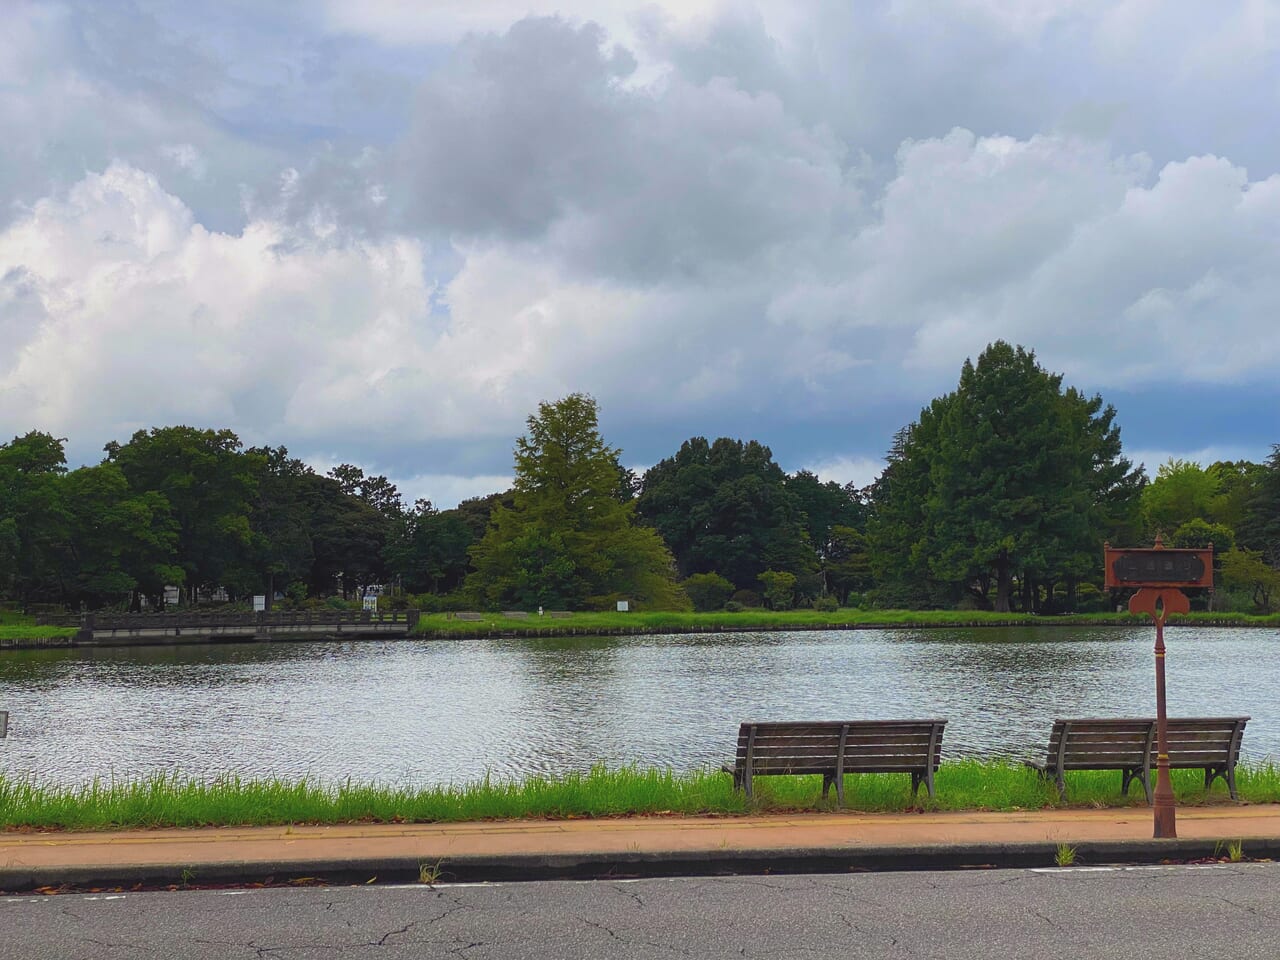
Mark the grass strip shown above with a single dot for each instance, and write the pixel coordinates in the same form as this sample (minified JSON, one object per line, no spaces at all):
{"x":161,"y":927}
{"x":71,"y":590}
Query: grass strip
{"x":443,"y":625}
{"x":174,"y":801}
{"x":32,"y":632}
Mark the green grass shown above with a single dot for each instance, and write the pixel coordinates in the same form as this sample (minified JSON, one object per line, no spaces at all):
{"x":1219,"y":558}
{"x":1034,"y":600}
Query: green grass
{"x":173,"y":801}
{"x":440,"y":624}
{"x":18,"y":626}
{"x":17,"y":631}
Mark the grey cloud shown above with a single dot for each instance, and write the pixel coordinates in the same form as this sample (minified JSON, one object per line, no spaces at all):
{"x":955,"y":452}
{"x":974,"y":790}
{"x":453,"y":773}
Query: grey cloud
{"x":537,"y":136}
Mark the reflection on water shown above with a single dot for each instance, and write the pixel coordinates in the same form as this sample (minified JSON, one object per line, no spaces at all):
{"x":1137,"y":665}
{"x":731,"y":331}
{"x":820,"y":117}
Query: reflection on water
{"x":452,"y":711}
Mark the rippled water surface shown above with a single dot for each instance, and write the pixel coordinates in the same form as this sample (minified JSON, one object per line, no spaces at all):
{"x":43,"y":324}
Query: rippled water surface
{"x":452,"y":711}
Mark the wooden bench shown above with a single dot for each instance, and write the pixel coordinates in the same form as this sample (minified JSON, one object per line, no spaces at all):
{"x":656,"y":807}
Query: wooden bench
{"x":834,"y":748}
{"x":1128,"y":744}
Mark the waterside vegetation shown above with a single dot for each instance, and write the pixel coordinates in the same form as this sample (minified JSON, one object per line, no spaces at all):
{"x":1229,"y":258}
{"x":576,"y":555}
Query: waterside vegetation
{"x":645,"y":622}
{"x":172,"y":801}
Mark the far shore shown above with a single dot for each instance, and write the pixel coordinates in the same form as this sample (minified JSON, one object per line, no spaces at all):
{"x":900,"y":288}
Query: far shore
{"x":22,"y":632}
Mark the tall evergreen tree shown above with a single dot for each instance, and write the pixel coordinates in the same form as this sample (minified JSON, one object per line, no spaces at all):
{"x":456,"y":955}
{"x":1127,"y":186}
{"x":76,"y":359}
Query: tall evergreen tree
{"x":1007,"y":476}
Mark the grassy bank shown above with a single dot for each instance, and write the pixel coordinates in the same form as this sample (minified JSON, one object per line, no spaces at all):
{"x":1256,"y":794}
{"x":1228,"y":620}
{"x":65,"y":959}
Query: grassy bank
{"x":442,"y":624}
{"x":175,"y":802}
{"x":15,"y":626}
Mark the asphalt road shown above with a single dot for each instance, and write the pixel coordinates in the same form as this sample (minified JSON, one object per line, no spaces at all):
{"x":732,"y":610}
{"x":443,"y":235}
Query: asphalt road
{"x":1173,"y":913}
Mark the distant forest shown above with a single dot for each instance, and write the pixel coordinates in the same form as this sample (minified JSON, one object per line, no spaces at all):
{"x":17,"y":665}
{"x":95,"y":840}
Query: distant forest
{"x":998,"y":496}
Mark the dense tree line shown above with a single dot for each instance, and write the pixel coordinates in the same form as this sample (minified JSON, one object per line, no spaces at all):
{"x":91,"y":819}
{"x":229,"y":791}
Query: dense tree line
{"x":999,"y":495}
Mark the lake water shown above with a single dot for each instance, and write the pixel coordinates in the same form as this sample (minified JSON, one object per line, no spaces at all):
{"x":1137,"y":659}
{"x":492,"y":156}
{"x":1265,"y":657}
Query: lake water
{"x":451,"y":711}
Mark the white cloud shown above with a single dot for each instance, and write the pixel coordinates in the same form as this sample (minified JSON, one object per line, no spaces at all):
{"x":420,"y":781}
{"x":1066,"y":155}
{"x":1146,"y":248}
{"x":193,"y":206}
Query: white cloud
{"x":1153,"y":459}
{"x":446,"y":490}
{"x":860,"y":471}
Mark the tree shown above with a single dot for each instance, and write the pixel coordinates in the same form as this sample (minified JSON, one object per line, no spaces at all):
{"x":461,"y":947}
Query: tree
{"x":210,"y":485}
{"x":282,"y":548}
{"x":1260,"y":529}
{"x":779,"y":589}
{"x":33,"y":516}
{"x":1182,"y":490}
{"x":121,"y":544}
{"x":824,"y":507}
{"x":724,"y":508}
{"x":1246,"y":570}
{"x":848,"y":566}
{"x":569,"y":539}
{"x":428,"y":549}
{"x":1007,"y":477}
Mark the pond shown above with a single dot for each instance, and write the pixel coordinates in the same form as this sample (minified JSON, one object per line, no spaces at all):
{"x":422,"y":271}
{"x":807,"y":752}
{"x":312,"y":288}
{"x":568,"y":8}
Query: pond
{"x":444,"y":711}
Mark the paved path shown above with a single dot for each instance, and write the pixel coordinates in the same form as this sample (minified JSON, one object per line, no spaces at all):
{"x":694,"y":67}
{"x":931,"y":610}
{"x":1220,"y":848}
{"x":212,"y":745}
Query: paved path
{"x":1144,"y":913}
{"x":350,"y":848}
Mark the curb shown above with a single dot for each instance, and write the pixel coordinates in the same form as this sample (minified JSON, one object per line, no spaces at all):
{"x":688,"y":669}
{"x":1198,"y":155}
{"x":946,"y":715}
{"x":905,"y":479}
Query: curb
{"x":602,"y":866}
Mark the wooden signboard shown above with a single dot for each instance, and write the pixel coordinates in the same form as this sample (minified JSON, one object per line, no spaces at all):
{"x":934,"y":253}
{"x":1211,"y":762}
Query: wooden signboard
{"x":1159,"y":567}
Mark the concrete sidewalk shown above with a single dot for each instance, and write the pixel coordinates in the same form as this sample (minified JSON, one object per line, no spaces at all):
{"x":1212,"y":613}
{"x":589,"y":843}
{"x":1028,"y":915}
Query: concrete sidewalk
{"x":639,"y":846}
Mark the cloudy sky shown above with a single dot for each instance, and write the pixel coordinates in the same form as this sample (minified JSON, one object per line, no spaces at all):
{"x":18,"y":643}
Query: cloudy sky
{"x":382,"y":231}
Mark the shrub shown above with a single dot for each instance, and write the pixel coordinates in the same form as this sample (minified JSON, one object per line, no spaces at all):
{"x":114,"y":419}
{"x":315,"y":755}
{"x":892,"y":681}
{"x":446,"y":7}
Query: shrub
{"x":708,"y":591}
{"x":733,"y":606}
{"x":826,"y":604}
{"x":747,"y":598}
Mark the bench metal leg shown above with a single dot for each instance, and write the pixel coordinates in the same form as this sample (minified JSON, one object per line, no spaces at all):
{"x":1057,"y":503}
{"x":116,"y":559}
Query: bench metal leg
{"x":1139,"y":774}
{"x":827,"y":780}
{"x":918,"y":778}
{"x":1227,"y":773}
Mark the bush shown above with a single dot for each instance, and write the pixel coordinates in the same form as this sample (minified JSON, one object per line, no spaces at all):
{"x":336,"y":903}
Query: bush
{"x":827,"y":604}
{"x":708,"y":591}
{"x":747,"y":598}
{"x":733,"y":606}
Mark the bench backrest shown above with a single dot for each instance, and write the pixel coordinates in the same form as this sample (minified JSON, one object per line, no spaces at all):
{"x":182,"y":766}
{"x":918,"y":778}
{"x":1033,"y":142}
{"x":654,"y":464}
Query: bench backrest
{"x":1205,"y":741}
{"x":1109,"y":743}
{"x":867,"y":746}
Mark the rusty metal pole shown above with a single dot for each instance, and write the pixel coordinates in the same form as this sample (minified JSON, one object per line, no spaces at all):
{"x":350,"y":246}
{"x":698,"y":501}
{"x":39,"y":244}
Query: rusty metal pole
{"x":1165,"y":818}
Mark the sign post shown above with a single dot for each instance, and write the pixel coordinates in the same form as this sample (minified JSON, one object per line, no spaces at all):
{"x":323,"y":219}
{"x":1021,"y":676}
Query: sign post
{"x":1160,"y":575}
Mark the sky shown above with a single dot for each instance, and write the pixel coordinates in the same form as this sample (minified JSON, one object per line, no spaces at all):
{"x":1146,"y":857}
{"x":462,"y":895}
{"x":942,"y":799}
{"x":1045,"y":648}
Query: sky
{"x":382,"y":232}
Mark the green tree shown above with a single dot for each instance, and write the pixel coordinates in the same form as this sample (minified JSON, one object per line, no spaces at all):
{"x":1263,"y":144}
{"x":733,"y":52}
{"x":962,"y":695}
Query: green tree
{"x":1238,"y":483}
{"x":1182,"y":490}
{"x":121,"y":544}
{"x":428,"y":549}
{"x":824,"y":507}
{"x":348,"y":536}
{"x":848,"y":564}
{"x":779,"y":589}
{"x":1008,"y":477}
{"x":282,"y":550}
{"x":210,"y":485}
{"x":724,"y":508}
{"x":568,"y":539}
{"x":33,"y":517}
{"x":1260,"y":529}
{"x":1247,"y":571}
